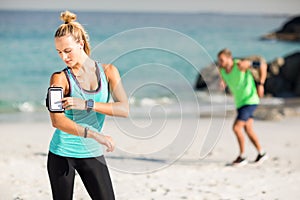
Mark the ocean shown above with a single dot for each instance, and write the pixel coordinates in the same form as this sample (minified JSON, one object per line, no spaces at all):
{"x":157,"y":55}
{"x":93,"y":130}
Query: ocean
{"x":159,"y":56}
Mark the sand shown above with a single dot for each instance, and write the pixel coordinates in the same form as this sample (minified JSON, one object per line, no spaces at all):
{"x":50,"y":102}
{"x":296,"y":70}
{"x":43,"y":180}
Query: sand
{"x":24,"y":148}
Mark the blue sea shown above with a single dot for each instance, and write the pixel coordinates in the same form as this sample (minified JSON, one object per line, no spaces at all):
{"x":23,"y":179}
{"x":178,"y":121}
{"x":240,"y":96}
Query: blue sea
{"x":159,"y":55}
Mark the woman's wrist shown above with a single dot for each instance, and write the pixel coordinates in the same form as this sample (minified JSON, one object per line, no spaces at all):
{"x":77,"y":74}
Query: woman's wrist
{"x":91,"y":134}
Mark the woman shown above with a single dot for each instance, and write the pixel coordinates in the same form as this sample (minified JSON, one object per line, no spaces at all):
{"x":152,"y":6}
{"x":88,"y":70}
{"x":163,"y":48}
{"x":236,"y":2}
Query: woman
{"x":77,"y":142}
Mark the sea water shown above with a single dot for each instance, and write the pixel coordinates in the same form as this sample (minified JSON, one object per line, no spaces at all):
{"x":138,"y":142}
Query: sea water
{"x":159,"y":55}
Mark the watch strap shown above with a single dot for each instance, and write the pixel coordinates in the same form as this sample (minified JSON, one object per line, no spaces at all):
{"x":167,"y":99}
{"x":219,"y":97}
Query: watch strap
{"x":86,"y":129}
{"x":89,"y":107}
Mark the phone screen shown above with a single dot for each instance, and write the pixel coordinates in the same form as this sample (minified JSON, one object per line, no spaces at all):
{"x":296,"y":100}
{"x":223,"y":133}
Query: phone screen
{"x":55,"y":96}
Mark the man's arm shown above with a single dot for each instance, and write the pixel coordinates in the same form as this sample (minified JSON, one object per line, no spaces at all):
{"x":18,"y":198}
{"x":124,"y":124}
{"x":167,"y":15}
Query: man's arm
{"x":222,"y":84}
{"x":263,"y":77}
{"x":262,"y":68}
{"x":243,"y":65}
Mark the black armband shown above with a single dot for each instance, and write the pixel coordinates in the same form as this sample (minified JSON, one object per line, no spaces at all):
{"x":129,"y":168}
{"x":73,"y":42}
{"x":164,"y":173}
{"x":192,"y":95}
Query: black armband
{"x":255,"y":64}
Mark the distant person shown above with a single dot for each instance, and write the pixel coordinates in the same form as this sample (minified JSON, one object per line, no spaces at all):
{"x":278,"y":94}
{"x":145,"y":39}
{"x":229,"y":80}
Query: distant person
{"x":77,"y":143}
{"x":237,"y":76}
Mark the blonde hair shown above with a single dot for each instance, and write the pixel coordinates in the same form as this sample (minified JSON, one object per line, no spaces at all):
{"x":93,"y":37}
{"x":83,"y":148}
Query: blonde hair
{"x":73,"y":28}
{"x":226,"y":52}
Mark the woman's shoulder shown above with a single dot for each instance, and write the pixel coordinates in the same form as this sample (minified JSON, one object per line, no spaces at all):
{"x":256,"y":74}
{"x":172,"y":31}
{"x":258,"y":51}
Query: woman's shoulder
{"x":110,"y":70}
{"x":58,"y":78}
{"x":58,"y":75}
{"x":109,"y":67}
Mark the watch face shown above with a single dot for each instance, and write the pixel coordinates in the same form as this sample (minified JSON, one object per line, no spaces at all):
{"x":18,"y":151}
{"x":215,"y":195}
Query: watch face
{"x":90,"y":103}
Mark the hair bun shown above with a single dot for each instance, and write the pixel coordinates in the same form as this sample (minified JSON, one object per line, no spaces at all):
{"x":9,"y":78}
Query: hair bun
{"x":67,"y":16}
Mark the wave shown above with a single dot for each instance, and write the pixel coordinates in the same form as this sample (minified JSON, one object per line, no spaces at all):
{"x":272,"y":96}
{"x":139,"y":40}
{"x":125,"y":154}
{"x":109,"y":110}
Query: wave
{"x":7,"y":106}
{"x":163,"y":106}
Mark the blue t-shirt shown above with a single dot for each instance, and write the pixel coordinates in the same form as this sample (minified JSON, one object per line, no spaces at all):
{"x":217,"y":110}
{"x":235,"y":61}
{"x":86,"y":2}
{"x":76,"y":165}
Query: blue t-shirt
{"x":68,"y":145}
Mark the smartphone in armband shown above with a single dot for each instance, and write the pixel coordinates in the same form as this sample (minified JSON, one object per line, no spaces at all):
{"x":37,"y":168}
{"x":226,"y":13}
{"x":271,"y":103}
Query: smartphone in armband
{"x":255,"y":64}
{"x":53,"y":100}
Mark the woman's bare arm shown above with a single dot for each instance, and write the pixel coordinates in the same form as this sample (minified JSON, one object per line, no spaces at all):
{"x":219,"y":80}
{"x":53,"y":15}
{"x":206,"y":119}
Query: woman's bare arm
{"x":120,"y":106}
{"x":61,"y":122}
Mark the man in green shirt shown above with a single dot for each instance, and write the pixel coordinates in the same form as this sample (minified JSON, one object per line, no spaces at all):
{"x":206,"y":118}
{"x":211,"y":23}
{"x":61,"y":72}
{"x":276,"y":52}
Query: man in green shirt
{"x":237,"y":76}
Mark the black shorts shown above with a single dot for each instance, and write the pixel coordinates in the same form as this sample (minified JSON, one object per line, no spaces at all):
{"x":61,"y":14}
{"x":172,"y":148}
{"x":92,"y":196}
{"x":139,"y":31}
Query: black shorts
{"x":92,"y":171}
{"x":245,"y":112}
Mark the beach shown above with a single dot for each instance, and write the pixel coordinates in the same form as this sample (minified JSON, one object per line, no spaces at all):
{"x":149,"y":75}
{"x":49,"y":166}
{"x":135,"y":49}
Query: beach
{"x":177,"y":142}
{"x":24,"y":148}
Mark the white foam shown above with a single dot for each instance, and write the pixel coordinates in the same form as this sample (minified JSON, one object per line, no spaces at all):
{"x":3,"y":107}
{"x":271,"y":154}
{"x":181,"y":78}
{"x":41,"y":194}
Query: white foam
{"x":26,"y":107}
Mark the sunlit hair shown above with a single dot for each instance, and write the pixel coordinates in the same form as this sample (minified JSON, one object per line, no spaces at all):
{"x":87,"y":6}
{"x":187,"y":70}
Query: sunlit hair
{"x":225,"y":52}
{"x":73,"y":28}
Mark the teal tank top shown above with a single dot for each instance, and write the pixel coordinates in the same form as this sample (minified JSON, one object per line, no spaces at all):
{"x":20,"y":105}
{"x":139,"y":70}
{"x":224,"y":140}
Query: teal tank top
{"x":241,"y":85}
{"x":68,"y":145}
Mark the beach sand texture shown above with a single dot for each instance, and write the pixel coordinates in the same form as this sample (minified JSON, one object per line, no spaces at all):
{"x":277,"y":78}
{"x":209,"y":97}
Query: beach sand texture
{"x":24,"y":148}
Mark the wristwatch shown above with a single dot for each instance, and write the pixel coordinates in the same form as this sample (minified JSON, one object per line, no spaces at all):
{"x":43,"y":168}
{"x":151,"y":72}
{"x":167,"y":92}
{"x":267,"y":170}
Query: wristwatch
{"x":89,"y":105}
{"x":261,"y":83}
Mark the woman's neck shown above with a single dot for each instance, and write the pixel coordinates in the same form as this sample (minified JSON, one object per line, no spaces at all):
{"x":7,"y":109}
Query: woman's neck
{"x":84,"y":65}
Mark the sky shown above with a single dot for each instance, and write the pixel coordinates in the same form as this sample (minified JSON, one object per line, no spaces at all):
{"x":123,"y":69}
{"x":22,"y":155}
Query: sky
{"x":286,"y":7}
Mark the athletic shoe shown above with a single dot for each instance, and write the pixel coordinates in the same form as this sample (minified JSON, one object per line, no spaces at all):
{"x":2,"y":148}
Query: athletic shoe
{"x":261,"y":158}
{"x":239,"y":161}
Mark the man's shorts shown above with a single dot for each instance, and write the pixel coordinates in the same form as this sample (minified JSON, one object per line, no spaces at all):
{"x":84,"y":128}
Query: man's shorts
{"x":245,"y":112}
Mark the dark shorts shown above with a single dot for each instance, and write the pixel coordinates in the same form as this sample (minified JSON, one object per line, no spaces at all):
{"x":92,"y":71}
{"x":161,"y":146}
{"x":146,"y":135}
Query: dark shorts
{"x":245,"y":112}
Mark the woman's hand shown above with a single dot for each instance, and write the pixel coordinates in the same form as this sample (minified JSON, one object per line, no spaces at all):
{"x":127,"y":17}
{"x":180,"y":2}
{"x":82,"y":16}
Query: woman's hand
{"x":74,"y":103}
{"x":105,"y":140}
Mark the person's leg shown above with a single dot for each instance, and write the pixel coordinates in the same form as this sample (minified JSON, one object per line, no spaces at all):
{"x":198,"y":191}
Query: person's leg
{"x":61,"y":177}
{"x":262,"y":156}
{"x":252,"y":135}
{"x":238,"y":130}
{"x":95,"y":176}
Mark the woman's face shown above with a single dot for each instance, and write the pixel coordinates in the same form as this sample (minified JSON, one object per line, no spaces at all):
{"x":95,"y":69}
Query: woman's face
{"x":68,"y":49}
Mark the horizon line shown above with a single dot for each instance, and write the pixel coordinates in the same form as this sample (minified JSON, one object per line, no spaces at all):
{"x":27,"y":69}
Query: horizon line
{"x":153,"y":12}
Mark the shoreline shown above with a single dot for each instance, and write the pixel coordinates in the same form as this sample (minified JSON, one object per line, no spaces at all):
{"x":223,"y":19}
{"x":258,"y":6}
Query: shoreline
{"x":270,"y":108}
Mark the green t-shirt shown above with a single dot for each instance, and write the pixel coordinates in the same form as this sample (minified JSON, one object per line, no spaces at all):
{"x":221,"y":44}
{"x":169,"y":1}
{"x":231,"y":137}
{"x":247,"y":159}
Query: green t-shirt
{"x":241,"y":85}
